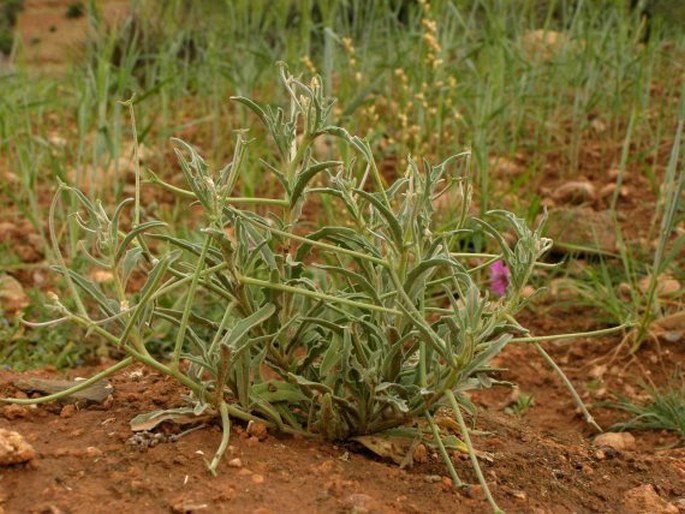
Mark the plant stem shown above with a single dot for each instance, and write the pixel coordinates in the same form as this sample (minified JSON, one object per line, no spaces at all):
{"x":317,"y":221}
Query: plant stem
{"x":58,"y":252}
{"x":184,"y":193}
{"x":416,"y":317}
{"x":576,"y":397}
{"x":75,"y":389}
{"x":571,"y":335}
{"x":318,"y":244}
{"x":180,"y":337}
{"x":443,"y":451}
{"x":225,"y":437}
{"x":472,"y":452}
{"x":316,"y":295}
{"x":134,"y":132}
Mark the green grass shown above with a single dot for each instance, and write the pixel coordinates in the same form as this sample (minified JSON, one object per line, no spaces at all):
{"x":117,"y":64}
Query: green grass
{"x":664,"y":410}
{"x":24,"y":348}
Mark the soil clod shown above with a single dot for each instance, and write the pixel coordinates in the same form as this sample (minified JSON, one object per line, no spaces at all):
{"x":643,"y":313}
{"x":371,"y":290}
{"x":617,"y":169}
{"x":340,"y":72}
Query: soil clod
{"x":14,"y":449}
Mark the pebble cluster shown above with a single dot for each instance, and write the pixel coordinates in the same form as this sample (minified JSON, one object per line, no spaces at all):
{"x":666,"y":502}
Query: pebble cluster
{"x":145,"y":439}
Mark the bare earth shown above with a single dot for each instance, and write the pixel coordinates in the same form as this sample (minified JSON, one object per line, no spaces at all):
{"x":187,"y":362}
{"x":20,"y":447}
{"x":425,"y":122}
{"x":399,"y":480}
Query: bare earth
{"x":543,"y":462}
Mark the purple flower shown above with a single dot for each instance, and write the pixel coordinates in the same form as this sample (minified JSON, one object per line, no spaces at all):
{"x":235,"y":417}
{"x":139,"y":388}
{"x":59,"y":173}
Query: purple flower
{"x":499,"y":278}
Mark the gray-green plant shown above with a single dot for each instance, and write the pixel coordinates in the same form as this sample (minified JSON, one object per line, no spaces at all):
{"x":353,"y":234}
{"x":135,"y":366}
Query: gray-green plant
{"x":353,"y":327}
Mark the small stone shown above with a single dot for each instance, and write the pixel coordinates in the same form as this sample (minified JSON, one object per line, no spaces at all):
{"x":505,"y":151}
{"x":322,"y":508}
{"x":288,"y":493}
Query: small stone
{"x":520,"y":495}
{"x":598,"y":125}
{"x":475,"y":492}
{"x":185,"y":507}
{"x":598,"y":371}
{"x":672,"y":323}
{"x":600,"y":393}
{"x":235,"y":463}
{"x":12,"y":295}
{"x":49,"y":508}
{"x":55,"y":139}
{"x":252,"y":441}
{"x":609,"y":189}
{"x":326,"y":466}
{"x":587,"y":470}
{"x":615,"y":172}
{"x":13,"y":411}
{"x":108,"y":403}
{"x":67,"y":411}
{"x":619,"y":441}
{"x":358,"y":501}
{"x":95,"y":393}
{"x":505,"y":166}
{"x":624,"y":290}
{"x":93,"y":451}
{"x":27,"y":253}
{"x":7,"y":230}
{"x":420,"y":453}
{"x":644,"y":498}
{"x":14,"y":449}
{"x":516,"y":493}
{"x":432,"y":479}
{"x":258,"y":430}
{"x":544,"y":45}
{"x":38,"y":278}
{"x":136,"y":375}
{"x":35,"y":240}
{"x":666,"y":285}
{"x":257,"y":478}
{"x":575,"y":192}
{"x":582,"y":227}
